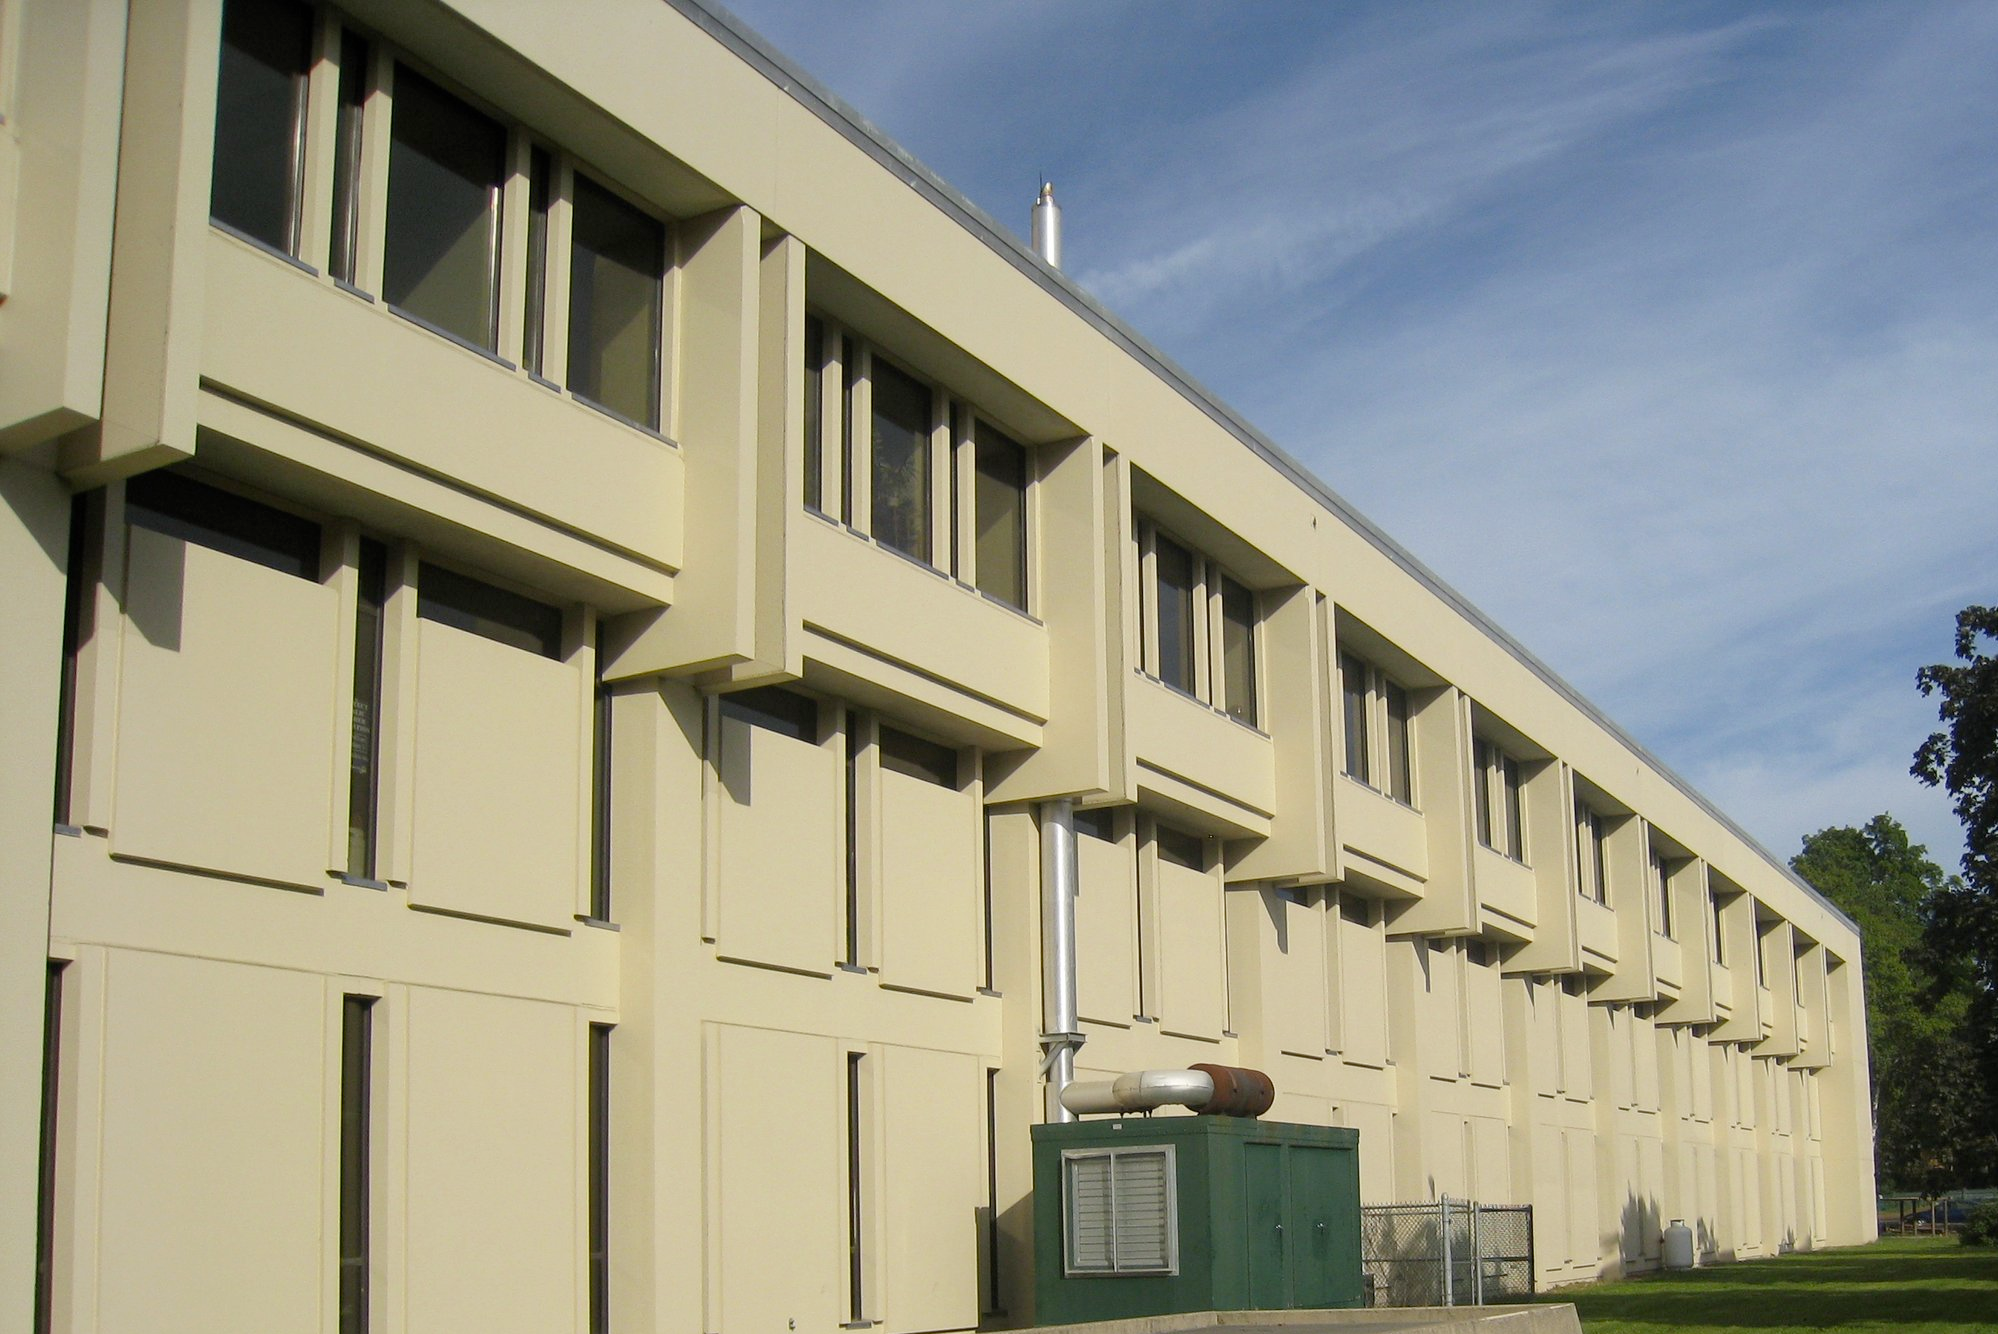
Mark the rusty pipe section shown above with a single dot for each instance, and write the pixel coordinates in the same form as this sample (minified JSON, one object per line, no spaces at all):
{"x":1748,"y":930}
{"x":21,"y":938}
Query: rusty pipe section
{"x":1210,"y":1090}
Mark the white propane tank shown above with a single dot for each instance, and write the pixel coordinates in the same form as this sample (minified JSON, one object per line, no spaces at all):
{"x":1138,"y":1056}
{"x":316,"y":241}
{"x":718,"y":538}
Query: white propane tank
{"x":1678,"y":1245}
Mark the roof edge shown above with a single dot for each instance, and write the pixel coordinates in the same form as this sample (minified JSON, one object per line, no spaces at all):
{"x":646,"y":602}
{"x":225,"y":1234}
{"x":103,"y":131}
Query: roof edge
{"x":753,"y":48}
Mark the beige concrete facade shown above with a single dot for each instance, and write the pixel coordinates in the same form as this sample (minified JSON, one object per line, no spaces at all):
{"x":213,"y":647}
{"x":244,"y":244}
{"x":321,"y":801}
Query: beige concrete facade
{"x":481,"y":766}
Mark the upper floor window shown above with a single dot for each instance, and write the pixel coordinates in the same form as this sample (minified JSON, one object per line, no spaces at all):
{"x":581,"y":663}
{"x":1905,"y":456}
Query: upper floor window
{"x":1377,"y":724}
{"x":1720,"y":938}
{"x":921,"y":472}
{"x":260,"y":119}
{"x":439,"y":253}
{"x":1497,"y":800}
{"x":1661,"y":886}
{"x":1197,"y":625}
{"x":617,"y":291}
{"x":1592,"y":851}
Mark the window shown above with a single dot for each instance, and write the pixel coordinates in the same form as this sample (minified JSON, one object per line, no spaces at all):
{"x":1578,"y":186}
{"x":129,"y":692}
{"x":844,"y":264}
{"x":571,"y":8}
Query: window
{"x":1661,"y":884}
{"x":1592,"y":852}
{"x":617,"y":285}
{"x":1180,"y":848}
{"x":45,"y":1194}
{"x":775,"y":709}
{"x":599,"y":1178}
{"x":999,"y":520}
{"x":900,"y":469}
{"x":942,"y":484}
{"x":1098,"y":822}
{"x":1173,"y":578}
{"x":1379,"y":750}
{"x":902,"y":753}
{"x":1120,"y":1211}
{"x":436,"y":188}
{"x":176,"y":505}
{"x":1720,"y":936}
{"x":447,"y":164}
{"x":353,"y":95}
{"x":540,"y":197}
{"x":600,"y":789}
{"x":1498,"y":801}
{"x":1238,"y":651}
{"x":1197,"y":626}
{"x":260,"y":119}
{"x":856,"y":1212}
{"x":364,"y":758}
{"x":356,"y":1103}
{"x":494,"y":613}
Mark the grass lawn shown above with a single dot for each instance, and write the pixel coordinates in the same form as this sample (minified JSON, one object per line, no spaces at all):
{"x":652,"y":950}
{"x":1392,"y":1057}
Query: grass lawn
{"x":1911,"y":1285}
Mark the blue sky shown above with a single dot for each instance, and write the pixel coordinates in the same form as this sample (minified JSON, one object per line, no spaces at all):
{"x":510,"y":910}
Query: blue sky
{"x":1666,"y":334}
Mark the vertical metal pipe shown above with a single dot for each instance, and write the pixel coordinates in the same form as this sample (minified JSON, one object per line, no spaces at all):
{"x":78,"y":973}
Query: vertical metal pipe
{"x":1045,"y":230}
{"x":1058,"y":1020}
{"x":1449,"y":1275}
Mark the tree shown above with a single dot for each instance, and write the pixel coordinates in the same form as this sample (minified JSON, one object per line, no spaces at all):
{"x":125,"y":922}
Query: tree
{"x":1963,"y":759}
{"x":1929,"y":1101}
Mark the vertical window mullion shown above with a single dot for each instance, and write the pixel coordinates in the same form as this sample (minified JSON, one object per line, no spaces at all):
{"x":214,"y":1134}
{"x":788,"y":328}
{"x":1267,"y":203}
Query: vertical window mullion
{"x":534,"y":319}
{"x":853,"y":406}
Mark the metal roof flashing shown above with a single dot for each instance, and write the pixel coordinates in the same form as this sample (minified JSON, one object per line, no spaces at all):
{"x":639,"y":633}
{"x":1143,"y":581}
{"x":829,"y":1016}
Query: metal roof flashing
{"x":744,"y":42}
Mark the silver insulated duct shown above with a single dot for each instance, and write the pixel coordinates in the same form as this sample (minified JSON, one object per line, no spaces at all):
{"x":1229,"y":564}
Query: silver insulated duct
{"x":1059,"y":1035}
{"x":1046,"y":229}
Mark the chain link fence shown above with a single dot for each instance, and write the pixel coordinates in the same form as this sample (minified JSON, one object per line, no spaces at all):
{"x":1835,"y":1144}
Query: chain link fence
{"x":1446,"y":1252}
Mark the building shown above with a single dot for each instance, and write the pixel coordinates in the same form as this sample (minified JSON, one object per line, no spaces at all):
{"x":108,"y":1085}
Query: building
{"x":563,"y":600}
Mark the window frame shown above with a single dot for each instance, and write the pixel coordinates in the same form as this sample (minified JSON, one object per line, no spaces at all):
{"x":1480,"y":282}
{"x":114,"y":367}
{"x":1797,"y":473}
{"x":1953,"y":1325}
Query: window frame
{"x":839,"y":382}
{"x":1499,"y":800}
{"x":1377,"y":740}
{"x":342,"y":234}
{"x":1207,"y":621}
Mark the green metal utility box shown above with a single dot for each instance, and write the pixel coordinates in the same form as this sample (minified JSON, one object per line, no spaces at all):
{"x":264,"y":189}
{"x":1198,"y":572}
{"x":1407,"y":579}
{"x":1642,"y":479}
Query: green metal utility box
{"x":1137,"y":1216}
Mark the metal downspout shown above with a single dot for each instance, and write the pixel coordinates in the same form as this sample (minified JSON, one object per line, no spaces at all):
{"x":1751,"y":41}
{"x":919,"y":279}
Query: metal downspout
{"x":1059,"y":1037}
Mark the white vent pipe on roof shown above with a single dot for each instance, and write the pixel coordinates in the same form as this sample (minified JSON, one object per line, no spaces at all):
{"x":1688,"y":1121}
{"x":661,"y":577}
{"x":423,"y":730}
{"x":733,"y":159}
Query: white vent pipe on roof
{"x":1046,"y":227}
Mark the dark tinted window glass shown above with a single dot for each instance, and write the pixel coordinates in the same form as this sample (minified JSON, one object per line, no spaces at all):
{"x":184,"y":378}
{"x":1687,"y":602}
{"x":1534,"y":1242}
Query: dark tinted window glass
{"x":356,"y":1099}
{"x":617,"y":273}
{"x":1356,"y":910}
{"x":775,"y":710}
{"x":181,"y":507}
{"x":45,"y":1194}
{"x":1515,"y":828}
{"x":911,"y":755}
{"x":1181,"y":848}
{"x":1720,"y":938}
{"x":1238,"y":651}
{"x":446,"y":164}
{"x":1353,"y":691}
{"x":1175,"y":588}
{"x":259,"y":116}
{"x":464,"y":603}
{"x":901,"y":473}
{"x":1098,"y":822}
{"x":1401,"y":779}
{"x":347,"y":155}
{"x":364,"y":747}
{"x":599,"y":1180}
{"x":1000,"y":509}
{"x":815,"y":394}
{"x":540,"y":176}
{"x":1482,"y":761}
{"x":849,"y":359}
{"x":78,"y":627}
{"x":600,"y":790}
